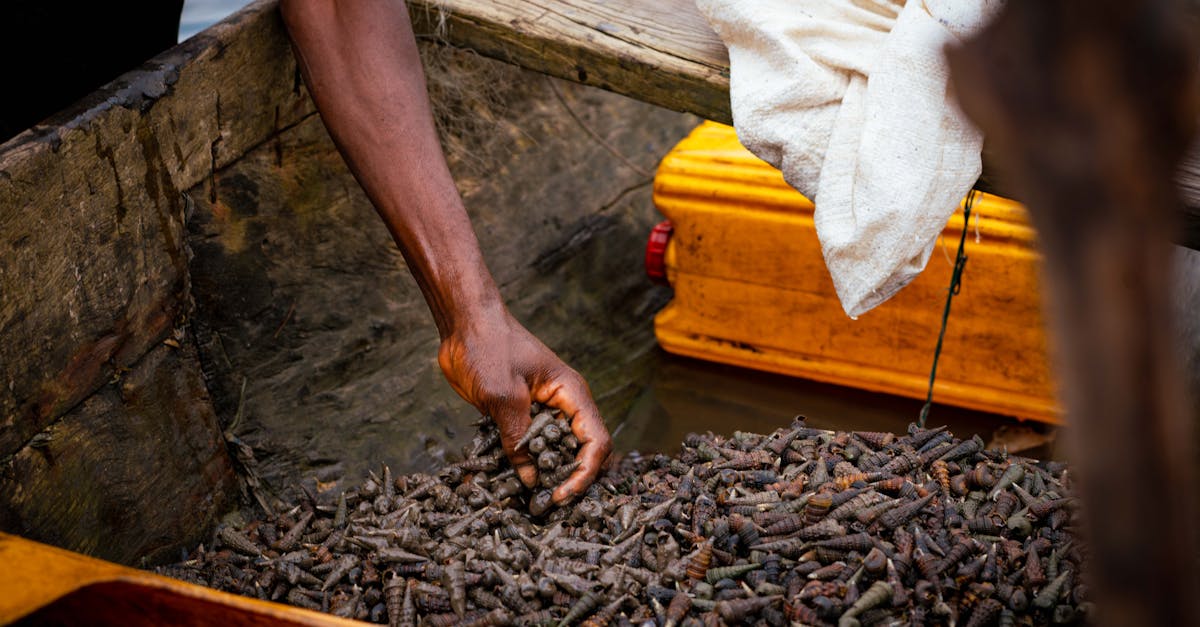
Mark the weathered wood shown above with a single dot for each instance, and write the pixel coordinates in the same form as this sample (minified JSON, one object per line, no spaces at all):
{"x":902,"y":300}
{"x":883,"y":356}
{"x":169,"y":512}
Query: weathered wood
{"x":662,"y":52}
{"x":94,"y":274}
{"x":302,"y":292}
{"x":1092,"y":105}
{"x":92,"y":265}
{"x":94,"y":268}
{"x":135,"y":472}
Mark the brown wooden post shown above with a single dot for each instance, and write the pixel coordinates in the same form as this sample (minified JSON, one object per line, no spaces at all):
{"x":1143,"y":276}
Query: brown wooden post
{"x":1088,"y":107}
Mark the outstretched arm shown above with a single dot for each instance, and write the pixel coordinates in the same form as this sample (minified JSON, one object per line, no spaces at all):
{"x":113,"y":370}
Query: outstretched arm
{"x":359,"y":60}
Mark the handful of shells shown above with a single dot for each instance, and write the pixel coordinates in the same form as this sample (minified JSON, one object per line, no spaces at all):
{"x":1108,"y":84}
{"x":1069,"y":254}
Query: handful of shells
{"x":553,"y":446}
{"x":800,"y":526}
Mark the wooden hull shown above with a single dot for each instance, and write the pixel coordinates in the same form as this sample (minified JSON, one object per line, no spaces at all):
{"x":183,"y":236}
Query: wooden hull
{"x":185,"y":247}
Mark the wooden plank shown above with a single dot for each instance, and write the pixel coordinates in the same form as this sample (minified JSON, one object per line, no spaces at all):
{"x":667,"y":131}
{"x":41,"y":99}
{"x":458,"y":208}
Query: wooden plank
{"x":660,"y":52}
{"x":47,"y":586}
{"x":93,"y":268}
{"x":136,"y":471}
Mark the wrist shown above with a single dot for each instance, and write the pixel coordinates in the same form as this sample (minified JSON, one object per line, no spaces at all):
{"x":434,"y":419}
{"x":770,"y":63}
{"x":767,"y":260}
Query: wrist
{"x":469,"y":302}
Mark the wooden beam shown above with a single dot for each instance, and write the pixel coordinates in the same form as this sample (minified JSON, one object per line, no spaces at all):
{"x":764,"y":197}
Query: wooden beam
{"x":662,"y":52}
{"x":1092,"y":104}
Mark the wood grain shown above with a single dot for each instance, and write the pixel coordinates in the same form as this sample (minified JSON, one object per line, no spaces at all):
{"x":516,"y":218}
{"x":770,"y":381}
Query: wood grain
{"x":135,"y":472}
{"x":662,"y":52}
{"x":94,"y":274}
{"x":93,"y":268}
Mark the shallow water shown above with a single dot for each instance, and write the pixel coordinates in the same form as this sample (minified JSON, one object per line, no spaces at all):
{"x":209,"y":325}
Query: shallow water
{"x":685,"y":395}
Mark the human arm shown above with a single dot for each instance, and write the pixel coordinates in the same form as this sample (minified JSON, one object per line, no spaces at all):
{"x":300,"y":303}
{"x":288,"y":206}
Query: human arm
{"x":359,"y":59}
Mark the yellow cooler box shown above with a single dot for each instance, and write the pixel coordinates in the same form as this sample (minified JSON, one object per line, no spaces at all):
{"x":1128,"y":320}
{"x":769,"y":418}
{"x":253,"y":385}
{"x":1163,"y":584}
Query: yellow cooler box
{"x":751,"y":289}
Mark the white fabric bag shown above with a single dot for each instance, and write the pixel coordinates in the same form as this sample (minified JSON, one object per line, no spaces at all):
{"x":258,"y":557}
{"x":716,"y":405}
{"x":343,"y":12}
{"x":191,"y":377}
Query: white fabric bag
{"x":850,"y":99}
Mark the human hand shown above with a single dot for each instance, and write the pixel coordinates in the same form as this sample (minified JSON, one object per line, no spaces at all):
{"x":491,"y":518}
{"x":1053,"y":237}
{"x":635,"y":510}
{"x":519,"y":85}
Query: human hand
{"x":498,"y":366}
{"x":380,"y":119}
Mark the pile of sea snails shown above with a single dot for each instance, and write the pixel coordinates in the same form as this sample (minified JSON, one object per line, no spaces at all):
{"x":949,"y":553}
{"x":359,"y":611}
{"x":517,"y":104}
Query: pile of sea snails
{"x":802,"y":526}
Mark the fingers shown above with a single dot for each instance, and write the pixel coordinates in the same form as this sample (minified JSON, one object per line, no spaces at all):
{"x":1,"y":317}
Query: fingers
{"x":570,"y":394}
{"x":511,"y":414}
{"x":591,"y":459}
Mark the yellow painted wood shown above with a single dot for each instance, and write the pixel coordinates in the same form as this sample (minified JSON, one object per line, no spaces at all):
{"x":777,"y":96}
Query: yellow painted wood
{"x":41,"y":584}
{"x":751,"y":289}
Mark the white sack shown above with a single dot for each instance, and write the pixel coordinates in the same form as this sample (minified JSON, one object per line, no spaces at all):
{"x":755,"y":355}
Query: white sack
{"x":850,"y":99}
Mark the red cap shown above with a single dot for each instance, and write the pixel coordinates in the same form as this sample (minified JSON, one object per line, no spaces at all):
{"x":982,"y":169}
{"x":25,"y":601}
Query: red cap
{"x":656,"y":252}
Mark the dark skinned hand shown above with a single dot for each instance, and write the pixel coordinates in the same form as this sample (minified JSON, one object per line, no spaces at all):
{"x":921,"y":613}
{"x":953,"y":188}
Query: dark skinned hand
{"x":498,"y":366}
{"x":360,"y":63}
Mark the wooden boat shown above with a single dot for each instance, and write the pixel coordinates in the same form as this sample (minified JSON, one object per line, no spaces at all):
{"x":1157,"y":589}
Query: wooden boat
{"x":185,"y":264}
